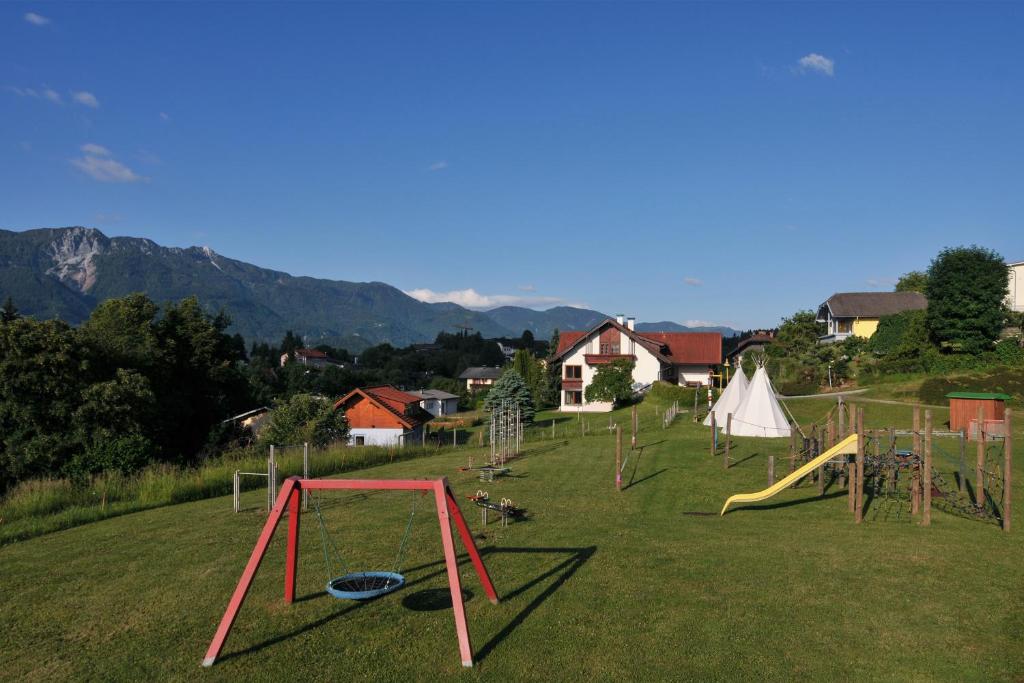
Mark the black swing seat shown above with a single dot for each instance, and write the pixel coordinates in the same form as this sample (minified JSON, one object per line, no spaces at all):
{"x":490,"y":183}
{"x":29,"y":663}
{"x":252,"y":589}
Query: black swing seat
{"x":364,"y":585}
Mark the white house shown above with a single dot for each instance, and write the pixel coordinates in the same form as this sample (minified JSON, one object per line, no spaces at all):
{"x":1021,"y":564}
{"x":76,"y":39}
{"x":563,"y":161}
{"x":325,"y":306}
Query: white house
{"x":1015,"y":295}
{"x":437,"y":402}
{"x":312,"y":357}
{"x":684,"y":358}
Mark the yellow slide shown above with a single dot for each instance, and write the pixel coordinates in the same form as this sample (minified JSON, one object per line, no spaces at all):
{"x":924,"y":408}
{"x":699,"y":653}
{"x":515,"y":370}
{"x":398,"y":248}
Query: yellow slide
{"x":847,"y":446}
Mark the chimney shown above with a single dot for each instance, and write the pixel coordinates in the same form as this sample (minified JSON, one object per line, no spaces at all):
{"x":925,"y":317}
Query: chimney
{"x":620,"y":319}
{"x":630,"y":322}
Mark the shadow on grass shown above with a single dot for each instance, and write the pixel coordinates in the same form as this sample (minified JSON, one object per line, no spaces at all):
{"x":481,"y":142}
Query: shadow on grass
{"x":749,"y":457}
{"x":787,"y":503}
{"x":561,"y":573}
{"x":635,"y":482}
{"x":438,"y":599}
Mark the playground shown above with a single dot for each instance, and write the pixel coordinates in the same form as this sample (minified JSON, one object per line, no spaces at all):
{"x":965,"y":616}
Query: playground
{"x":647,"y":581}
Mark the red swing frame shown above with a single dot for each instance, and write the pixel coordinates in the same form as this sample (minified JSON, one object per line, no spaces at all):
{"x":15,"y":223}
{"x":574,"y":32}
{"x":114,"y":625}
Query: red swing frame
{"x":291,"y":496}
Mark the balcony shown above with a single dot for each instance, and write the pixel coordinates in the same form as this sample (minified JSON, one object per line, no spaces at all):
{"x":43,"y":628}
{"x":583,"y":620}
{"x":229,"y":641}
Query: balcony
{"x":569,"y":384}
{"x":605,"y":358}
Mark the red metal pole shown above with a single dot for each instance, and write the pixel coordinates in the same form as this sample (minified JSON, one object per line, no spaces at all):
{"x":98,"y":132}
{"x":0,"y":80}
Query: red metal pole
{"x":467,"y":540}
{"x":454,"y":584}
{"x":292,"y":558}
{"x":250,"y":571}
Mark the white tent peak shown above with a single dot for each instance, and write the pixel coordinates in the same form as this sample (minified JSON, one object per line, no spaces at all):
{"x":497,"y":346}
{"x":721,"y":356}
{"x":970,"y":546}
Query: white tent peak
{"x":730,"y":400}
{"x":760,"y":413}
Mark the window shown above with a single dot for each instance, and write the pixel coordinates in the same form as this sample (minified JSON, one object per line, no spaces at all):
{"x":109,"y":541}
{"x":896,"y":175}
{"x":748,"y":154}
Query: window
{"x":573,"y":398}
{"x":609,"y":348}
{"x":574,"y":372}
{"x":360,"y":440}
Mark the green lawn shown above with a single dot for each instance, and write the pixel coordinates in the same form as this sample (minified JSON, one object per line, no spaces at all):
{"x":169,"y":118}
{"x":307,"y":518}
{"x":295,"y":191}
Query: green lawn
{"x":595,"y":585}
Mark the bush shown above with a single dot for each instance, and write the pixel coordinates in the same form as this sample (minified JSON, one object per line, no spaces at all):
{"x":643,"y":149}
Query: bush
{"x":124,"y":454}
{"x":304,"y":417}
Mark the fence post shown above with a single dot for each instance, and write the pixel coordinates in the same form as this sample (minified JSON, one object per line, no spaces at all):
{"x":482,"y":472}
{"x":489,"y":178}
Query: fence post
{"x":271,"y":480}
{"x":618,"y":458}
{"x":236,"y":491}
{"x":979,"y":471}
{"x":859,"y":512}
{"x":926,"y":516}
{"x":728,"y":439}
{"x":714,"y":429}
{"x":305,"y":474}
{"x":963,"y":461}
{"x":1007,"y":469}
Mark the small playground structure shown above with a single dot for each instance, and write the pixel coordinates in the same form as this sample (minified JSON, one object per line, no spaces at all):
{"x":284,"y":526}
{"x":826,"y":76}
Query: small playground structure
{"x":506,"y":432}
{"x":360,"y":585}
{"x":903,"y":472}
{"x":506,"y":508}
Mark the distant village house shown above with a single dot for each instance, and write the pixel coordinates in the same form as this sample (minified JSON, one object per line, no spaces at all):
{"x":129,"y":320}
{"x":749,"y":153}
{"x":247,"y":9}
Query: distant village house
{"x":685,"y":358}
{"x":856,"y":314}
{"x":311,"y":357}
{"x":477,"y":379}
{"x":1015,"y":294}
{"x":383,"y":416}
{"x":436,"y":402}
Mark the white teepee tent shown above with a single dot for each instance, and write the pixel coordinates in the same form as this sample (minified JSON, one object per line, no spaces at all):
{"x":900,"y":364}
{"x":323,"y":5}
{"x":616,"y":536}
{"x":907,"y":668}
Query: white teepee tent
{"x":730,"y":400}
{"x":760,"y":413}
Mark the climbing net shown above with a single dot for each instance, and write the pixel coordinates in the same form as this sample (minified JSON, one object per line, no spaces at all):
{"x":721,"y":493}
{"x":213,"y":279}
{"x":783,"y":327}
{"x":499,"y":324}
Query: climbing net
{"x":506,"y":432}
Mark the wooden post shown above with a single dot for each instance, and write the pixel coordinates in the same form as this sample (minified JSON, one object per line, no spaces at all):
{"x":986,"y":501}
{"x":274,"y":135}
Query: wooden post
{"x":633,"y":441}
{"x":839,"y":417}
{"x":1007,"y":469}
{"x":926,"y":515}
{"x":728,"y":437}
{"x":618,"y":458}
{"x":979,"y":470}
{"x":917,"y":430}
{"x":831,"y":441}
{"x":771,"y":470}
{"x":714,"y":430}
{"x":963,"y":461}
{"x":859,"y":512}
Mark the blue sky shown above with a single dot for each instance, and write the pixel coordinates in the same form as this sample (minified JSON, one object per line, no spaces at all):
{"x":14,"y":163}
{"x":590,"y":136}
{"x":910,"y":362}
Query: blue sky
{"x":727,"y":163}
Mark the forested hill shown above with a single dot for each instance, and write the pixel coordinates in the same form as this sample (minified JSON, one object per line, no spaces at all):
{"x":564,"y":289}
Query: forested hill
{"x":66,"y":272}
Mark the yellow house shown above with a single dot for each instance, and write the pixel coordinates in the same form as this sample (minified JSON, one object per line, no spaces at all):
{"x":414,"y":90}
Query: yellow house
{"x":856,"y":314}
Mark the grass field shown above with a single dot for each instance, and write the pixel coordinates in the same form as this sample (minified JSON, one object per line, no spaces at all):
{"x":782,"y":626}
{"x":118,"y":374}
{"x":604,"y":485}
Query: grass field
{"x":594,"y":585}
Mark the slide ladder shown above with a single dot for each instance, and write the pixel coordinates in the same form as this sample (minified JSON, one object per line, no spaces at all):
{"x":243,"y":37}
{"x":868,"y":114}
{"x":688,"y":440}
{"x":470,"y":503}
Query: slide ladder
{"x":847,"y":446}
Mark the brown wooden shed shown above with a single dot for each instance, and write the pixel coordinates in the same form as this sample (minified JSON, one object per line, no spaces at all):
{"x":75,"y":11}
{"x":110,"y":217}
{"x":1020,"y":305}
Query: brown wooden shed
{"x":963,"y":408}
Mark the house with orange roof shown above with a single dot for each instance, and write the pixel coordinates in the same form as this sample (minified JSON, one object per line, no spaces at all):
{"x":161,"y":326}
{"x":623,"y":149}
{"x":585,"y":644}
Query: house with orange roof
{"x":383,"y":416}
{"x":684,"y":358}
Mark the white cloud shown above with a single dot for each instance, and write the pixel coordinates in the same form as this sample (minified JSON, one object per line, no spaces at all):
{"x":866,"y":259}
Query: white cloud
{"x":704,"y":323}
{"x":43,"y":93}
{"x":36,"y":19}
{"x":164,"y":116}
{"x":438,"y":166}
{"x":99,"y":165}
{"x":526,"y":288}
{"x":470,"y":298}
{"x":86,"y":98}
{"x":95,"y":150}
{"x":693,"y":282}
{"x":816,"y":62}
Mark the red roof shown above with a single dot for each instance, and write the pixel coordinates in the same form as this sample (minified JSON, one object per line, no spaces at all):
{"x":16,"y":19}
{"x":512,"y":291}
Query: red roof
{"x":696,"y":348}
{"x":566,"y":340}
{"x":310,"y":353}
{"x":404,"y":406}
{"x":678,"y":348}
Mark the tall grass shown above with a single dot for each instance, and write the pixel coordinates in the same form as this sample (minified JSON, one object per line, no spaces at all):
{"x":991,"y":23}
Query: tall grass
{"x":43,"y":506}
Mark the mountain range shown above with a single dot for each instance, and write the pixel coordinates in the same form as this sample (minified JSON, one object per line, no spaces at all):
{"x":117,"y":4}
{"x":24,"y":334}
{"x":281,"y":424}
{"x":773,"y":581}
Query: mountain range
{"x":66,"y":272}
